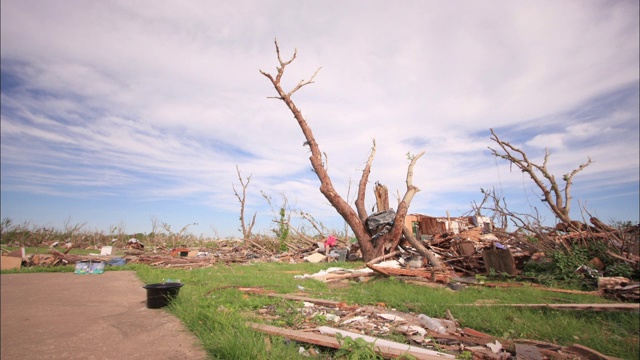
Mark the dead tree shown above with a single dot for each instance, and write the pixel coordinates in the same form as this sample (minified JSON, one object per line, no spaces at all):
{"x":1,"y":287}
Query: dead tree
{"x":246,"y":230}
{"x":557,"y":199}
{"x":354,"y":218}
{"x":382,"y":197}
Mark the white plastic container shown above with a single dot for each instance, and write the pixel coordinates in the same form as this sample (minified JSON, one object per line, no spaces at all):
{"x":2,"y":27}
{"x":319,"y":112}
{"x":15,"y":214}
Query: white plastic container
{"x":432,"y":324}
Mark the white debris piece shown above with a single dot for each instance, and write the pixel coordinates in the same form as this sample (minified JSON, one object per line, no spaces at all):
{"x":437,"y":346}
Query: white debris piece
{"x":389,"y":264}
{"x":391,"y":317}
{"x":322,"y":274}
{"x":413,"y":329}
{"x":332,"y":317}
{"x":355,"y":319}
{"x":383,"y":343}
{"x":315,"y":258}
{"x":495,"y":347}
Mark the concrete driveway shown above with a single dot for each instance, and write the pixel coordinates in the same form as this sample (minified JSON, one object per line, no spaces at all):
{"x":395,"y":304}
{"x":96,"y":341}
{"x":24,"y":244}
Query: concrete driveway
{"x":71,"y":316}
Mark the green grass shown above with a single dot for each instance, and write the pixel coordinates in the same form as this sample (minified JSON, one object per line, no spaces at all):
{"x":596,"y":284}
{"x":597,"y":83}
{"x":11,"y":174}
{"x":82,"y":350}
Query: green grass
{"x":217,"y":316}
{"x":211,"y":307}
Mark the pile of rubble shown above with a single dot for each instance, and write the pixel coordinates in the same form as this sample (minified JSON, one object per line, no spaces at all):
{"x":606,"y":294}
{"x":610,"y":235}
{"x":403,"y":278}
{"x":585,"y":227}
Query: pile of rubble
{"x":466,"y":246}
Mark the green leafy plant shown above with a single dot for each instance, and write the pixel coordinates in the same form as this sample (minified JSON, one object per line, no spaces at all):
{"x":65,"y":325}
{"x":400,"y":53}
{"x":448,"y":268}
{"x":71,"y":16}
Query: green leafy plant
{"x":622,"y":269}
{"x":356,"y":349}
{"x":480,"y":278}
{"x":283,"y":229}
{"x":560,"y":266}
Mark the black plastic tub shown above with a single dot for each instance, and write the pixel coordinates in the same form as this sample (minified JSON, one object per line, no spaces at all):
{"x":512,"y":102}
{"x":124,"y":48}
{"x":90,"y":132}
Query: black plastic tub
{"x":159,"y":295}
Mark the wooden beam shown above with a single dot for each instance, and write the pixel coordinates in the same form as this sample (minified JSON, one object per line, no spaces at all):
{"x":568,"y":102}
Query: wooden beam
{"x":389,"y":347}
{"x":322,"y":302}
{"x":431,"y":275}
{"x":332,"y":342}
{"x":298,"y":335}
{"x":588,"y":353}
{"x":592,"y":307}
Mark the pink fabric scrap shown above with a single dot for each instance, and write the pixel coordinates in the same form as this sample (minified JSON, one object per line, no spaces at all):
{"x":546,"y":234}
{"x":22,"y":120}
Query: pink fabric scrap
{"x":331,"y":241}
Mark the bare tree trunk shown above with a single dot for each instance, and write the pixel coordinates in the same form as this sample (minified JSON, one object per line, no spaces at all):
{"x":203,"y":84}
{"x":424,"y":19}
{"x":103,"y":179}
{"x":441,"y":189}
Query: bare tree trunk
{"x":246,"y":230}
{"x":382,"y":197}
{"x":417,"y":244}
{"x":355,"y":220}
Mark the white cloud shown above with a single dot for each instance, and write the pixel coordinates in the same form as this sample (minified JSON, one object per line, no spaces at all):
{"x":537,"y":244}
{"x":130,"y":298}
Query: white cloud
{"x":169,"y":94}
{"x":548,"y":141}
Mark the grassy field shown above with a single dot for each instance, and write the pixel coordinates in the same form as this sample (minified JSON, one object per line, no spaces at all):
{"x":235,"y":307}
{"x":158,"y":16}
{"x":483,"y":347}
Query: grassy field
{"x":217,"y":313}
{"x":211,"y":306}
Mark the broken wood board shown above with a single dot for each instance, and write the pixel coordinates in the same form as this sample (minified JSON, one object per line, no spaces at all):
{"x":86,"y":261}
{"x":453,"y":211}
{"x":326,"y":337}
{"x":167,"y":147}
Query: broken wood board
{"x":19,"y":253}
{"x":588,"y":353}
{"x":10,"y":262}
{"x":434,"y":276}
{"x":521,"y":285}
{"x":527,"y":352}
{"x":591,"y":307}
{"x":387,"y":346}
{"x":329,"y":341}
{"x":468,"y":339}
{"x":330,"y":278}
{"x":328,"y":303}
{"x":500,"y":260}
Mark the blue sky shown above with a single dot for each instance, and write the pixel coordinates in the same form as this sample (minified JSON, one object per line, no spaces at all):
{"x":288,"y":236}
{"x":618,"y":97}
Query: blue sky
{"x":115,"y":113}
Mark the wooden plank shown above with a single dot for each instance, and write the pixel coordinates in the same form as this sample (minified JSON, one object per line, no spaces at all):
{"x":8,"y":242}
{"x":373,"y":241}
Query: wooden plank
{"x":330,"y":278}
{"x":329,"y":303}
{"x":588,"y":353}
{"x":434,"y":276}
{"x":298,"y":335}
{"x":527,"y":352}
{"x":500,"y":260}
{"x":592,"y":307}
{"x":19,"y":253}
{"x":389,"y":347}
{"x":476,"y":333}
{"x":332,"y":342}
{"x":10,"y":262}
{"x":467,"y":248}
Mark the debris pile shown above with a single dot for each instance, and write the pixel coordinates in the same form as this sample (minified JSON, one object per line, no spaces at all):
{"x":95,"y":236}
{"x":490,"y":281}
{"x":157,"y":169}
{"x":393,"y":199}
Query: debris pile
{"x":437,"y":250}
{"x":427,"y":337}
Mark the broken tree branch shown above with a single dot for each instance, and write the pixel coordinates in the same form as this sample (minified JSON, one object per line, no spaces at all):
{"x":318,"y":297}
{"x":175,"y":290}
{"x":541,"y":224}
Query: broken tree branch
{"x":558,"y":201}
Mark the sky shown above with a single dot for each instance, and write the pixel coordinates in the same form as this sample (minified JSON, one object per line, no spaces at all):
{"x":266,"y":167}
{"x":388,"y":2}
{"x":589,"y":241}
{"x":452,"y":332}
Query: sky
{"x":129,"y":113}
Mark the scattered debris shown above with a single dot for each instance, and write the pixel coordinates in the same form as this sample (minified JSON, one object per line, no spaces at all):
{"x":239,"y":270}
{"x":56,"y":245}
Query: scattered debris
{"x":133,"y":243}
{"x":386,"y":346}
{"x":371,"y":323}
{"x":619,"y":288}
